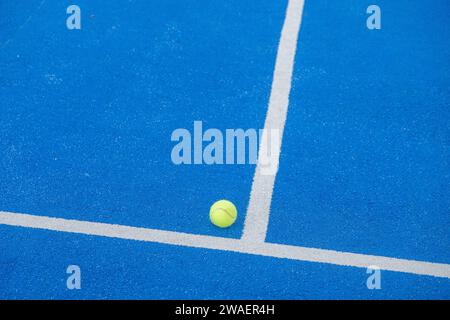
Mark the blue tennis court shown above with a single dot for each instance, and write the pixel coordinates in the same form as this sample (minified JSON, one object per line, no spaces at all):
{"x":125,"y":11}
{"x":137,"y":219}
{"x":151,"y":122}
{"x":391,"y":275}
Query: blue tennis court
{"x":87,"y":176}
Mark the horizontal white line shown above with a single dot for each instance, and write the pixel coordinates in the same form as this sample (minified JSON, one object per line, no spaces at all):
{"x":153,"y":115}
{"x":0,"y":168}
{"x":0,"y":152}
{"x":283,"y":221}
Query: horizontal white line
{"x":226,"y":244}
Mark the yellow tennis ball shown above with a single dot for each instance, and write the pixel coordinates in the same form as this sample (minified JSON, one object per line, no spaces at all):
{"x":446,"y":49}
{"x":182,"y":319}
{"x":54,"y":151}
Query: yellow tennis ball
{"x":223,"y":213}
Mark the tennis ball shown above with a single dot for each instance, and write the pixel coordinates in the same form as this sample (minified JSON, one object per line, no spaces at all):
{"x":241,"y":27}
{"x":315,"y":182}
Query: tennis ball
{"x":223,"y":213}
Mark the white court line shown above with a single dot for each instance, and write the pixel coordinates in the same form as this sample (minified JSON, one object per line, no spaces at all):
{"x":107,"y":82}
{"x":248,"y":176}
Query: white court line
{"x":257,"y":218}
{"x":225,"y":244}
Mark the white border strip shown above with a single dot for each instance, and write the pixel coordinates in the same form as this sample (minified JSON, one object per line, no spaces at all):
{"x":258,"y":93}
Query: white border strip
{"x":225,"y":244}
{"x":258,"y":211}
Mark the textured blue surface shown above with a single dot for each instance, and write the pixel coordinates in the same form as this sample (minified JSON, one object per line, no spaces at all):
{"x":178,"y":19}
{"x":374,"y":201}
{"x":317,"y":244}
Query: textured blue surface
{"x":127,"y":269}
{"x":366,"y":155}
{"x":87,"y":115}
{"x":86,"y":119}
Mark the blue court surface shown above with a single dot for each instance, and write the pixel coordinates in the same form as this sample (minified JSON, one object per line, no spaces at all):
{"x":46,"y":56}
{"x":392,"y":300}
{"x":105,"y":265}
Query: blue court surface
{"x":87,"y":178}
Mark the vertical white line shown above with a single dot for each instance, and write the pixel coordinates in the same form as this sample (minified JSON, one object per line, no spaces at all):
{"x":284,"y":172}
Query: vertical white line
{"x":258,"y":211}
